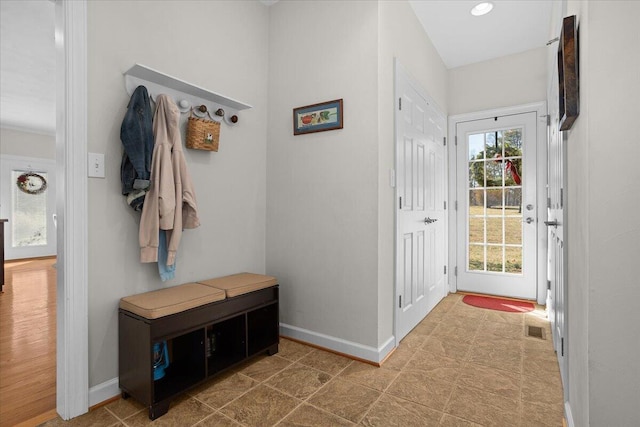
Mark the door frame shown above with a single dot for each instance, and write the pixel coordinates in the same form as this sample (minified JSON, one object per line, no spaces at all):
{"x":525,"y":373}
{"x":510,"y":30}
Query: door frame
{"x":540,"y":108}
{"x":72,"y":337}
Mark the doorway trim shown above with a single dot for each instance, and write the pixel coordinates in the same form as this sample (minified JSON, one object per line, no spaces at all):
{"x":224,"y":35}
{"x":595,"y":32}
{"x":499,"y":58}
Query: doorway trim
{"x":540,"y":108}
{"x":72,"y":362}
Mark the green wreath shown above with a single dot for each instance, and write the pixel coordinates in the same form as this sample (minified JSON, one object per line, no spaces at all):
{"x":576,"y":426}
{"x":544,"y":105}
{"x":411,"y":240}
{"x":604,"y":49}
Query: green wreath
{"x":31,"y":183}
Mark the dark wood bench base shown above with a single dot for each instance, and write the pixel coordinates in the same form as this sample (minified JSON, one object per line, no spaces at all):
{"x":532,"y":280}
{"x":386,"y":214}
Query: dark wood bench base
{"x":203,"y":342}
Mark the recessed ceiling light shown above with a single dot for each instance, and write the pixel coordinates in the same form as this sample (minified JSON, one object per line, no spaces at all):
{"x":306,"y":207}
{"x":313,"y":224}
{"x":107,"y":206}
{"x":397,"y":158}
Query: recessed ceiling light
{"x":482,"y":9}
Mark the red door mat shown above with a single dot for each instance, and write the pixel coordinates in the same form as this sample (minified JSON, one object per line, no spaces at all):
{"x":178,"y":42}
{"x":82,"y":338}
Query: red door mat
{"x":499,"y":304}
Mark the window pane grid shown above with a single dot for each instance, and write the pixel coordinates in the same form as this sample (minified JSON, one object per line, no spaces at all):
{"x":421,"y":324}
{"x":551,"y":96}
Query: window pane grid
{"x":494,"y":215}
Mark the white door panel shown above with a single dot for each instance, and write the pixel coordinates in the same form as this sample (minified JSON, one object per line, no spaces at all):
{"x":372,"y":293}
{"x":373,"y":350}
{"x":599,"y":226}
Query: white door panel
{"x":420,"y":219}
{"x":30,"y":231}
{"x":555,"y":221}
{"x":496,"y":193}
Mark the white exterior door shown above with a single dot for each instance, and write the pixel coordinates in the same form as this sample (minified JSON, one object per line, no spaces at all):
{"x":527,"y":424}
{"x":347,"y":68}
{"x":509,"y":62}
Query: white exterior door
{"x":420,"y":204}
{"x":556,"y":273}
{"x":30,"y":231}
{"x":496,"y":216}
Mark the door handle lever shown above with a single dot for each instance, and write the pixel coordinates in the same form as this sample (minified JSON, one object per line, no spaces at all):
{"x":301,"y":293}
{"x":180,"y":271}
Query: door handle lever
{"x":428,"y":220}
{"x":555,"y":223}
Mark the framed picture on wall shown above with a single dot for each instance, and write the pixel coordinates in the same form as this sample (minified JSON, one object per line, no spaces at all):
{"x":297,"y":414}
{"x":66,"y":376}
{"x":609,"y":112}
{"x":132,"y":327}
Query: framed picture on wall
{"x":317,"y":117}
{"x":568,"y":73}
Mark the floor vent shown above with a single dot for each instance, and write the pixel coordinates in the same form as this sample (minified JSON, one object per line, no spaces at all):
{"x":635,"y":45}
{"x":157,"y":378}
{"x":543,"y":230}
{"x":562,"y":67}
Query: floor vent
{"x":535,"y":331}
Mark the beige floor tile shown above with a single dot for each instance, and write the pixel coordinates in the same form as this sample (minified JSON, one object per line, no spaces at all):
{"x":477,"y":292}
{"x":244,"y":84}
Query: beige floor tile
{"x":218,"y":420}
{"x":451,"y":421}
{"x":299,"y":381}
{"x":534,"y":415}
{"x":345,"y":399}
{"x":542,"y":389}
{"x":420,"y":388}
{"x":445,"y":347}
{"x":537,"y":318}
{"x":463,"y":322}
{"x":424,"y":328}
{"x":185,"y":411}
{"x":399,"y":358}
{"x":264,"y":367}
{"x":463,"y":309}
{"x":540,"y":364}
{"x":462,"y":366}
{"x":536,"y":346}
{"x":492,"y":380}
{"x":435,"y":366}
{"x":325,"y":361}
{"x":391,"y":411}
{"x":98,"y":418}
{"x":261,"y":406}
{"x":412,"y":341}
{"x":507,"y":360}
{"x":218,"y":393}
{"x":438,"y":315}
{"x":453,"y":333}
{"x":308,"y":416}
{"x":292,"y":350}
{"x":499,"y":343}
{"x":484,"y":408}
{"x":123,"y":408}
{"x":505,"y":317}
{"x":447,"y":303}
{"x":500,"y":329}
{"x":368,"y":375}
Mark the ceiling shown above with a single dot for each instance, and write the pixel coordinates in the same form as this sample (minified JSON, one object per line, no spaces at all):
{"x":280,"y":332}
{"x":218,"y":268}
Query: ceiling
{"x":27,"y":47}
{"x":27,"y":65}
{"x":513,"y":26}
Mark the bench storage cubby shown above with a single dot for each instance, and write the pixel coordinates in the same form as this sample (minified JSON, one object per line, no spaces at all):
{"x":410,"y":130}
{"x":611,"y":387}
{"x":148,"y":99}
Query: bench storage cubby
{"x":208,"y":327}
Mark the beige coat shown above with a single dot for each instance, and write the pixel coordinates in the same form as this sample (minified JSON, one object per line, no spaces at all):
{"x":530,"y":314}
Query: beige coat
{"x":170,"y":203}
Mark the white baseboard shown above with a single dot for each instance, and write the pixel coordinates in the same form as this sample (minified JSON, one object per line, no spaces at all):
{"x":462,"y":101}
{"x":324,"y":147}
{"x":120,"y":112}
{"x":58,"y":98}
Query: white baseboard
{"x":104,"y":391}
{"x":339,"y":345}
{"x":568,"y":415}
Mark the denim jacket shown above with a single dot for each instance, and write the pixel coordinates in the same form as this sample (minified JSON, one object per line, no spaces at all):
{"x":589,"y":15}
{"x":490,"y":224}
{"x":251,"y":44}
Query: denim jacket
{"x":136,"y":134}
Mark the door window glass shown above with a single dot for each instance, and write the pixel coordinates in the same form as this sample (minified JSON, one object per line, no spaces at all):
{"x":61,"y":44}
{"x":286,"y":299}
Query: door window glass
{"x":29,"y":209}
{"x":495,"y":201}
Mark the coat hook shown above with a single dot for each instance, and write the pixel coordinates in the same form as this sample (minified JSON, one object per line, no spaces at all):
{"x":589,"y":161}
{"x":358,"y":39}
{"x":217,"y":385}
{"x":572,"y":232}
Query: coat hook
{"x":220,"y":112}
{"x":202,"y":108}
{"x":234,"y":119}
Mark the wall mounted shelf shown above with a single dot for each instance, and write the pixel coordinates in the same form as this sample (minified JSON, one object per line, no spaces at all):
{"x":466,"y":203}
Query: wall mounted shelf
{"x":186,"y":95}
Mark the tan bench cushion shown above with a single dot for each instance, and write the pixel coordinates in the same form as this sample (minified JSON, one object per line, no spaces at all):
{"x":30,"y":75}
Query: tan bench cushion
{"x":242,"y":283}
{"x":163,"y":302}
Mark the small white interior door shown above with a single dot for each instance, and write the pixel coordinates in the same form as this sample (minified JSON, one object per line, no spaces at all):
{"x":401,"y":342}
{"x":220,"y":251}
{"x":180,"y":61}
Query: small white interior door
{"x":556,"y":273}
{"x":29,"y":207}
{"x":496,"y":216}
{"x":420,"y":208}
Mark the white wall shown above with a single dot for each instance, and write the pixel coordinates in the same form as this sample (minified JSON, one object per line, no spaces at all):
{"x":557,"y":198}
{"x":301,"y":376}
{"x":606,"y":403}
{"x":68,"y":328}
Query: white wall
{"x":603,"y":227}
{"x":502,"y":82}
{"x":330,"y":215}
{"x":27,"y":144}
{"x":221,"y":46}
{"x":403,"y":37}
{"x":322,"y":211}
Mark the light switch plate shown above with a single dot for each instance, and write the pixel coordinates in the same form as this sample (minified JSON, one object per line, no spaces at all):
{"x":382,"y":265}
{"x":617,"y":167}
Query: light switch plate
{"x":96,"y":165}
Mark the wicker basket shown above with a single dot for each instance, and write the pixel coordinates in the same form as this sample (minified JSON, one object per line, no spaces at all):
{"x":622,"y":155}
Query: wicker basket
{"x":203,"y":134}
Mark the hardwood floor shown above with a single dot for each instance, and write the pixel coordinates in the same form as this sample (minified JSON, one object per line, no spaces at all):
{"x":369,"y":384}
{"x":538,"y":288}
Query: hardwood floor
{"x":27,"y":340}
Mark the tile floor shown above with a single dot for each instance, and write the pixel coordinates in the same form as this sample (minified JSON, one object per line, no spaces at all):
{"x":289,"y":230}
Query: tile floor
{"x":461,"y":366}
